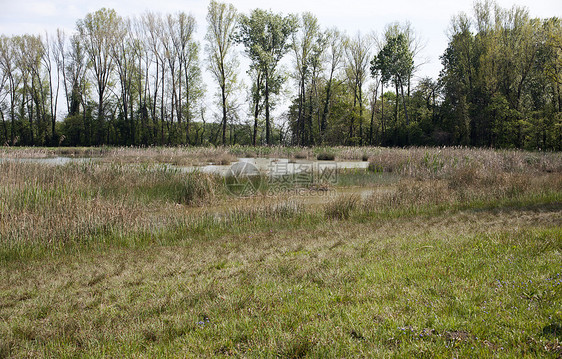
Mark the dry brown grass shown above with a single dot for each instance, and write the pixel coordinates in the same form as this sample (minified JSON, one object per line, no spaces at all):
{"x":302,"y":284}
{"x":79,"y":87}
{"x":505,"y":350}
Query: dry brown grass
{"x":341,"y":207}
{"x":180,"y":156}
{"x":462,"y":188}
{"x":439,"y":163}
{"x":53,"y":204}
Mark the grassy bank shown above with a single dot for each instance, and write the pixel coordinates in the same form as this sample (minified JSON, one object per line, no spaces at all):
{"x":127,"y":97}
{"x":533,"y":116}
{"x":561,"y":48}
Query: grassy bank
{"x":458,"y":259}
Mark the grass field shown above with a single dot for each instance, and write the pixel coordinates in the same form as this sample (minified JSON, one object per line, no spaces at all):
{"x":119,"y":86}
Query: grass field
{"x":428,"y":253}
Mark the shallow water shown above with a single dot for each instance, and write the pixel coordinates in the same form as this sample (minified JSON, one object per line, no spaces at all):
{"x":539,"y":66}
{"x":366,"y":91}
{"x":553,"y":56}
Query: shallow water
{"x":275,"y":166}
{"x":266,"y":166}
{"x":58,"y":161}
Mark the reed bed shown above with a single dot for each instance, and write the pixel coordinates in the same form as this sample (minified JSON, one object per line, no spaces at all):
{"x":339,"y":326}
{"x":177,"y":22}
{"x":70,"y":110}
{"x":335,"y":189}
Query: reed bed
{"x":179,"y":156}
{"x":439,"y":163}
{"x":92,"y":201}
{"x":57,"y":204}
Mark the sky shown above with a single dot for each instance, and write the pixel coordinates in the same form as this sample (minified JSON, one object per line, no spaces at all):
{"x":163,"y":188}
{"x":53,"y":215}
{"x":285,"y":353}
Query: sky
{"x":429,"y":19}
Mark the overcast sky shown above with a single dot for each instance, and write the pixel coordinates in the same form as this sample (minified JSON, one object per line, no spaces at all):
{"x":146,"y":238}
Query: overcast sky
{"x":430,"y":19}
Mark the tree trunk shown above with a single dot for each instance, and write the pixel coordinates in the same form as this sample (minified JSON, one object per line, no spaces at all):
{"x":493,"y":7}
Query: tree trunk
{"x":12,"y":109}
{"x":100,"y":117}
{"x":223,"y":97}
{"x":4,"y":126}
{"x":300,"y":125}
{"x":383,"y":127}
{"x":162,"y":108}
{"x":310,"y":139}
{"x":396,"y":104}
{"x":352,"y":120}
{"x":323,"y":123}
{"x":360,"y":88}
{"x":267,"y":124}
{"x":404,"y":104}
{"x":405,"y":113}
{"x":256,"y":108}
{"x":371,"y":139}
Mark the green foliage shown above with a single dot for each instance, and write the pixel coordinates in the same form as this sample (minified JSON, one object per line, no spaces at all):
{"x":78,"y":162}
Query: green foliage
{"x":138,"y":82}
{"x":394,"y":61}
{"x":325,"y":156}
{"x":266,"y":37}
{"x":493,"y":79}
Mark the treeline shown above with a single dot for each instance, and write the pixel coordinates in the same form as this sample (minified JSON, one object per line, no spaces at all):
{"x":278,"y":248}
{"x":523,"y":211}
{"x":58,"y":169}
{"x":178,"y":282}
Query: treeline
{"x":139,"y":81}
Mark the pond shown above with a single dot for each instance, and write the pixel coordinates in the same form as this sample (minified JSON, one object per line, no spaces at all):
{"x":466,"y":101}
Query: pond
{"x":266,"y":166}
{"x":274,"y":166}
{"x":59,"y":161}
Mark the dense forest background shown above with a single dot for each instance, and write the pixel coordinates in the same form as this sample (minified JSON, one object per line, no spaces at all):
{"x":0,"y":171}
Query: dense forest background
{"x":138,"y":81}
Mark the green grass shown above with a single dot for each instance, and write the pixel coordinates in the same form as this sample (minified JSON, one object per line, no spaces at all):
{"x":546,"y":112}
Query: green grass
{"x":113,"y":260}
{"x":333,"y":289}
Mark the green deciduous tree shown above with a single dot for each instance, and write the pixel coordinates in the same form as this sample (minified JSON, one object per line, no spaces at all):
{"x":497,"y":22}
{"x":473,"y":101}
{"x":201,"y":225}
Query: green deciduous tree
{"x":266,"y":37}
{"x":395,"y":62}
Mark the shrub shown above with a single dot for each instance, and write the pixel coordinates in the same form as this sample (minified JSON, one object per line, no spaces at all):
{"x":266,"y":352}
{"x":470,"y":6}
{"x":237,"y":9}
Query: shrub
{"x":325,"y":156}
{"x":301,"y":155}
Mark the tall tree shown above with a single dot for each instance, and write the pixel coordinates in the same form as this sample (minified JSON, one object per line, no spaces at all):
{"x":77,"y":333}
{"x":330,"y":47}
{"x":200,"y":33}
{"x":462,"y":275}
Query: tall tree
{"x":122,"y":53}
{"x":303,"y":47}
{"x":335,"y":57}
{"x":395,"y":61}
{"x":53,"y":78}
{"x":357,"y":52}
{"x":9,"y":69}
{"x":97,"y":31}
{"x":182,"y":52}
{"x":29,"y":57}
{"x":222,"y":20}
{"x":60,"y":58}
{"x":266,"y":36}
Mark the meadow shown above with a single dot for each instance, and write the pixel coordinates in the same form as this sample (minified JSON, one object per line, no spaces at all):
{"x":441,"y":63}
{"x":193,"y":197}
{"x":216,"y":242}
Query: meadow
{"x":429,"y":252}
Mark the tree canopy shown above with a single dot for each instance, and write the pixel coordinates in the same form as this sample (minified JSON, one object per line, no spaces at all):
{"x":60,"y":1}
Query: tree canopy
{"x":139,"y":81}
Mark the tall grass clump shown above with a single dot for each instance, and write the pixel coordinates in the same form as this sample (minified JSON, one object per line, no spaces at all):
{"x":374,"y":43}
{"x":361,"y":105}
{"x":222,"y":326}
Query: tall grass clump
{"x":325,"y":156}
{"x":466,"y":187}
{"x":266,"y":211}
{"x":342,"y":206}
{"x":198,"y":188}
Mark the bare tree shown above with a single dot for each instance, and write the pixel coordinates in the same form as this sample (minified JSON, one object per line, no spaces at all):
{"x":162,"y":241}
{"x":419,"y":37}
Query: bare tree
{"x":9,"y":70}
{"x":97,"y":31}
{"x":336,"y":52}
{"x":357,"y":51}
{"x":49,"y":51}
{"x":222,"y":21}
{"x":303,"y":47}
{"x":123,"y":56}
